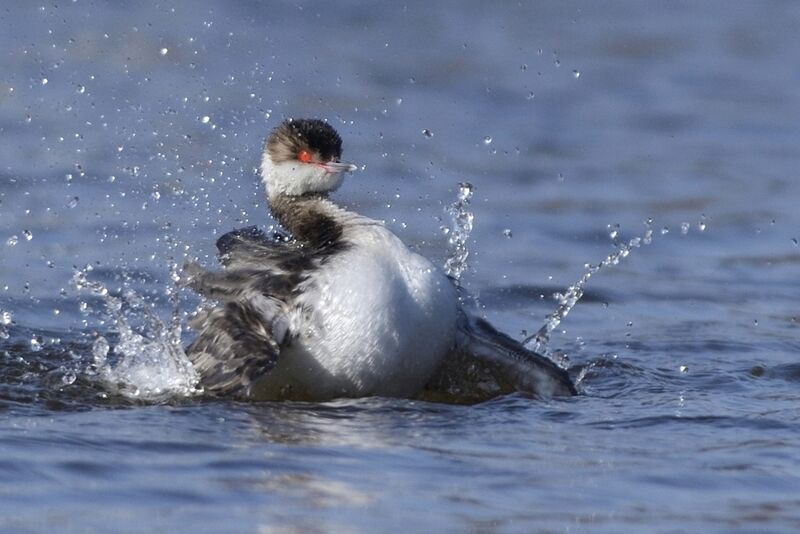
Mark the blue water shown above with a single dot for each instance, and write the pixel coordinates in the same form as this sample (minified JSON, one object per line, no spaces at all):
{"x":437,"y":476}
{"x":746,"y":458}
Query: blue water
{"x":129,"y":137}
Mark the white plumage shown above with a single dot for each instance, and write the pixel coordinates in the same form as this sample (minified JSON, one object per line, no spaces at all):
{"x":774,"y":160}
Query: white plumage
{"x":381,"y":319}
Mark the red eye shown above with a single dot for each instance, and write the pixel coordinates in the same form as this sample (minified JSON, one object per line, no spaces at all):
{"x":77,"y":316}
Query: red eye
{"x":304,"y":156}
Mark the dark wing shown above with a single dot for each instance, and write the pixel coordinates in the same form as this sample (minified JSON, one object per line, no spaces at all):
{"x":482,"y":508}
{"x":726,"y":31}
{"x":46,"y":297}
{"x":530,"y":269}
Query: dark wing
{"x":253,"y":247}
{"x":239,"y":341}
{"x":237,"y":345}
{"x":487,"y":363}
{"x":533,"y":372}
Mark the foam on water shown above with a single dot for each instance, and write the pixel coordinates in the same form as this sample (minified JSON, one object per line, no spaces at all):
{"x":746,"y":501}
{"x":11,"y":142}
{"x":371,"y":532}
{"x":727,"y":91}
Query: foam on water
{"x":147,"y":359}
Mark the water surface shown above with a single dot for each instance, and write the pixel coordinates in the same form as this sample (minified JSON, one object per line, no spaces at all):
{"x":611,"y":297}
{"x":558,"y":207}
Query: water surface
{"x":130,"y":137}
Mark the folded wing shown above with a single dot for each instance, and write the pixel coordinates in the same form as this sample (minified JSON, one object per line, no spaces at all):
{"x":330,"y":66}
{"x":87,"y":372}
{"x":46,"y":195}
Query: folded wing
{"x":486,"y":363}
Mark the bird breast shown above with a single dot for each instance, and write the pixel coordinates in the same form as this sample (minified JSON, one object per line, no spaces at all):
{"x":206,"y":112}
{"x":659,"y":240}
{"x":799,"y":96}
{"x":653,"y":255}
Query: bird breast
{"x":377,"y":319}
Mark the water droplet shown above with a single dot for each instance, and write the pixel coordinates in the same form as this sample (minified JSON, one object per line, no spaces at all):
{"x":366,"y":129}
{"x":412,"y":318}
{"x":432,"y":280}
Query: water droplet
{"x":614,"y":233}
{"x":204,"y":119}
{"x":794,"y":241}
{"x":28,"y":235}
{"x":465,"y":191}
{"x":487,"y":140}
{"x":100,"y":349}
{"x":155,"y":195}
{"x":5,"y":318}
{"x":685,"y":227}
{"x":684,"y":369}
{"x":73,"y":202}
{"x":665,"y":230}
{"x":507,"y":232}
{"x":561,"y":358}
{"x":558,"y":63}
{"x":44,"y":81}
{"x":68,"y":378}
{"x":163,"y":51}
{"x":462,"y":220}
{"x":11,"y":241}
{"x":427,"y":133}
{"x":755,"y":322}
{"x":81,"y":89}
{"x":56,"y":311}
{"x":576,"y":74}
{"x":530,"y":96}
{"x":524,"y":66}
{"x":36,"y":343}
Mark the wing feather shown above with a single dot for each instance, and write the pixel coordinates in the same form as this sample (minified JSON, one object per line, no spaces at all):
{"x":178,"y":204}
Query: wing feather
{"x":530,"y":371}
{"x":238,"y":344}
{"x":240,"y":339}
{"x":486,"y":363}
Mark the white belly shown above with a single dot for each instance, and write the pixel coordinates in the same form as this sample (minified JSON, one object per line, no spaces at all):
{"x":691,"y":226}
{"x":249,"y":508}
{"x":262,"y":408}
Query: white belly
{"x":382,"y":318}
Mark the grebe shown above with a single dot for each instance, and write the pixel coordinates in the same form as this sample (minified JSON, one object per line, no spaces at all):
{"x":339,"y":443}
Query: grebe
{"x":339,"y":306}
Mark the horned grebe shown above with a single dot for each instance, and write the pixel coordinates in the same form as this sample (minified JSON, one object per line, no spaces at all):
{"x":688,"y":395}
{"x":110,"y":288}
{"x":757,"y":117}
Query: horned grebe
{"x":339,"y":307}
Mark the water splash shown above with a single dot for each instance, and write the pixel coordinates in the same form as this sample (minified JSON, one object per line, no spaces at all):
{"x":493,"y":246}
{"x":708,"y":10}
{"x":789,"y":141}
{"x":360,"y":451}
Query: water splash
{"x":147,"y":360}
{"x":461,"y":218}
{"x":6,"y":318}
{"x":538,"y":342}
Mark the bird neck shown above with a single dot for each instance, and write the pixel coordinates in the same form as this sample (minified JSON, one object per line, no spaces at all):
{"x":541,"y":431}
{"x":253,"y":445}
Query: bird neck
{"x":310,"y":218}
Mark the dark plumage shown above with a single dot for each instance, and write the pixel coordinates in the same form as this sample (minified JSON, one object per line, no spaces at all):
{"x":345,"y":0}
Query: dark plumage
{"x":235,"y":349}
{"x":292,"y":136}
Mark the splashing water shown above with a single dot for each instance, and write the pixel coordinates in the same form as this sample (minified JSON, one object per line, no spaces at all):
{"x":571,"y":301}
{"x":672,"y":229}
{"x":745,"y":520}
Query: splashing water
{"x":461,"y":219}
{"x":5,"y":321}
{"x":147,"y":361}
{"x":538,"y":342}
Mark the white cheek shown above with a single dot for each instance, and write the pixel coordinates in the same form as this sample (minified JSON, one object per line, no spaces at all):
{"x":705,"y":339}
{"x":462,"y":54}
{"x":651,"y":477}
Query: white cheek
{"x":295,"y":178}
